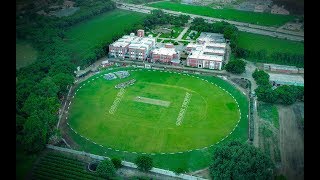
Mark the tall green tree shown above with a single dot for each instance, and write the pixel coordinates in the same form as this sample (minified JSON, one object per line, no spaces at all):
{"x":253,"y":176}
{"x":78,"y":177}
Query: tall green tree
{"x":235,"y":160}
{"x":34,"y":133}
{"x":236,"y":66}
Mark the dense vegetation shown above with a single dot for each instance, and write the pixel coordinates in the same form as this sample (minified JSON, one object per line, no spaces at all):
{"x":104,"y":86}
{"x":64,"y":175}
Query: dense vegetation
{"x":144,"y":163}
{"x":42,"y":85}
{"x":237,"y":66}
{"x":265,"y":19}
{"x":105,"y":169}
{"x":285,"y":94}
{"x":158,"y":17}
{"x":240,"y":161}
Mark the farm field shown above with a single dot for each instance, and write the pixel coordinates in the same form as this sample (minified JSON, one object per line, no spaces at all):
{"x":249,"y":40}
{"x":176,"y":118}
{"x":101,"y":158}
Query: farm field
{"x":265,"y":19}
{"x":252,"y":41}
{"x":99,"y":30}
{"x":25,"y":54}
{"x":54,"y":165}
{"x":133,"y":123}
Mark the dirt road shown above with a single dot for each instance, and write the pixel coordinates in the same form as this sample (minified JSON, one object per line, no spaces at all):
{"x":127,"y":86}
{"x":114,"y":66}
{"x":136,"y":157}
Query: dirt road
{"x":291,"y":142}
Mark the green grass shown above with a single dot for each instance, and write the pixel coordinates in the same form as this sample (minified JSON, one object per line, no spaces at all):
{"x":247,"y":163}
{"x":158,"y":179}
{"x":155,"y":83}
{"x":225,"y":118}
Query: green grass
{"x":252,"y":41}
{"x":168,"y":41}
{"x":83,"y":37}
{"x":269,"y":112}
{"x":131,"y":126}
{"x":24,"y":163}
{"x":177,"y":31}
{"x":25,"y":54}
{"x":265,"y":19}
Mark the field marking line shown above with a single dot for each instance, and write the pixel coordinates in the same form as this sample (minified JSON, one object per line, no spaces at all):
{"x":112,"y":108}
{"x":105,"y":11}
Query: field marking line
{"x":183,"y":108}
{"x":117,"y":101}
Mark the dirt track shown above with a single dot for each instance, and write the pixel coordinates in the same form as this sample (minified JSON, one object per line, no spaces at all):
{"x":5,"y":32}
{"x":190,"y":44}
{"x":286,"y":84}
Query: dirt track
{"x":291,"y":142}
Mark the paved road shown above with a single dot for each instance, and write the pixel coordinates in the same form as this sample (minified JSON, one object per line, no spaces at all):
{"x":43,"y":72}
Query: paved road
{"x":257,"y":29}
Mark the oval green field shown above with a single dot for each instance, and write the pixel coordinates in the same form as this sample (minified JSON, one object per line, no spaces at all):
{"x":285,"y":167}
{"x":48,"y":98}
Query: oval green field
{"x":161,"y":112}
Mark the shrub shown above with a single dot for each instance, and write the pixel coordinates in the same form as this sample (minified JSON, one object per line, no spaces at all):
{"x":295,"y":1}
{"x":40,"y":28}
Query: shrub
{"x":144,"y":163}
{"x":105,"y":169}
{"x":116,"y":163}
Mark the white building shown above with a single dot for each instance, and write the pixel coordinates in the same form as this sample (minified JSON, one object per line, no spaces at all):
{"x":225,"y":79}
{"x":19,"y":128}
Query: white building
{"x":208,"y":52}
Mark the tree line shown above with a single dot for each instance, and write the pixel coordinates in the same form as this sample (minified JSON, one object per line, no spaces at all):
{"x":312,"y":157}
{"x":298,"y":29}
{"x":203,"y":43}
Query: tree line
{"x":285,"y":94}
{"x":41,"y":86}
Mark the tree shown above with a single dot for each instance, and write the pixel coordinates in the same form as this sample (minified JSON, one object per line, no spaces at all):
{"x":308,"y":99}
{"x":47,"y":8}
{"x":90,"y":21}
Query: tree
{"x":46,"y":88}
{"x":62,"y":80}
{"x":144,"y":163}
{"x":261,"y":77}
{"x":266,"y":94}
{"x":116,"y":163}
{"x":34,"y":133}
{"x":235,"y":160}
{"x":236,"y":66}
{"x":286,"y":94}
{"x":105,"y":169}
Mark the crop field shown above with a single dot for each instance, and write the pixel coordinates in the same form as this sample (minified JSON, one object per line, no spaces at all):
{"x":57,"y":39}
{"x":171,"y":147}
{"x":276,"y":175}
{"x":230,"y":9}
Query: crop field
{"x":252,"y":41}
{"x":25,"y":54}
{"x":54,"y":165}
{"x":83,"y":37}
{"x":175,"y":120}
{"x":265,"y":19}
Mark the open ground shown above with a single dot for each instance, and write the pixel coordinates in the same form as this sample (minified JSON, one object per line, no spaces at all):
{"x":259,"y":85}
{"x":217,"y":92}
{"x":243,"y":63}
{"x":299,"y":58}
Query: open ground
{"x":265,"y":19}
{"x":98,"y":30}
{"x":161,"y":130}
{"x":252,"y":41}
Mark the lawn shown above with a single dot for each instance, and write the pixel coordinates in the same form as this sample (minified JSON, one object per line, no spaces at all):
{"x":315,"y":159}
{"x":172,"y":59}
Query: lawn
{"x":269,"y":112}
{"x":252,"y":41}
{"x":265,"y":19}
{"x":209,"y":118}
{"x":177,"y":31}
{"x":25,"y":54}
{"x":83,"y":37}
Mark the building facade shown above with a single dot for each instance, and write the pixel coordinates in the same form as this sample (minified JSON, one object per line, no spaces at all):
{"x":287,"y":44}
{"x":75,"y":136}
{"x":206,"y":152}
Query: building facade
{"x":208,"y":51}
{"x":165,"y":54}
{"x":132,"y":47}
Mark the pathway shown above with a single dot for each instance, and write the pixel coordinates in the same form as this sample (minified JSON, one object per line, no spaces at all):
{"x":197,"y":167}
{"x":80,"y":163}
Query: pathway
{"x":182,"y":33}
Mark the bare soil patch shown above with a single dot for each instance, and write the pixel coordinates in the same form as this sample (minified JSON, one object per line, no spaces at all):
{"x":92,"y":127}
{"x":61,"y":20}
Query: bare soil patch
{"x":291,"y":141}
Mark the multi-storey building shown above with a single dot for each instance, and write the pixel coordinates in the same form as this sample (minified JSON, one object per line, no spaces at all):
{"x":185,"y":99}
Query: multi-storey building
{"x":132,"y":47}
{"x":165,"y":54}
{"x":208,"y":52}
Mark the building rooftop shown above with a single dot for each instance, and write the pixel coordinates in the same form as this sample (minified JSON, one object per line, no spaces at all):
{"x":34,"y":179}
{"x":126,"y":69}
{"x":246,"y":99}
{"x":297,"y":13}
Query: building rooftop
{"x":200,"y":55}
{"x":165,"y":51}
{"x":277,"y":66}
{"x":287,"y":79}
